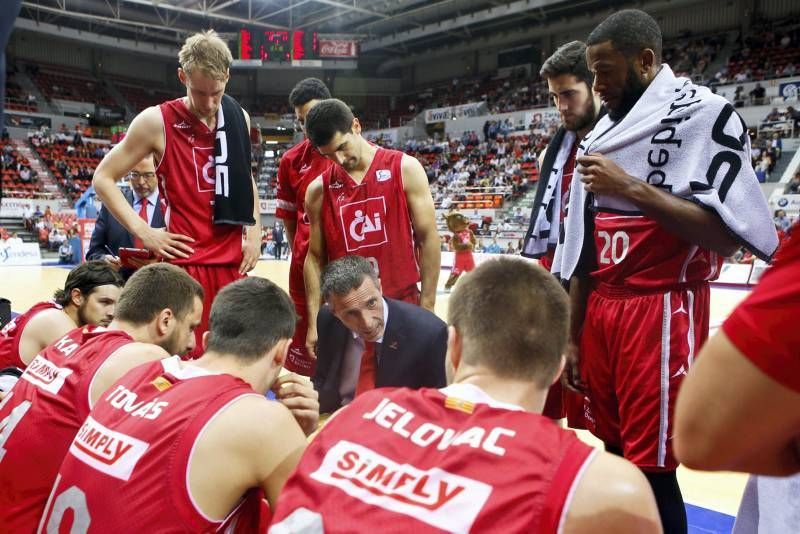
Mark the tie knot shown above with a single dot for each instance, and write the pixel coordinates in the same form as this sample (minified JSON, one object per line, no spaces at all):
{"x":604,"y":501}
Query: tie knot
{"x":144,"y":201}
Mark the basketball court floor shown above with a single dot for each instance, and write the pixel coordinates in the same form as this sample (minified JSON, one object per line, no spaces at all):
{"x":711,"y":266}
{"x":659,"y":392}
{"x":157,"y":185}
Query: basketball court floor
{"x":712,"y":498}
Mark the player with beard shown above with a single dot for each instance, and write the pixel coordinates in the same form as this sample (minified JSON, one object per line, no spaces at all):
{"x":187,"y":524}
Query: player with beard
{"x":89,"y":296}
{"x":373,"y":202}
{"x":641,"y":257}
{"x":570,"y":84}
{"x":157,"y":313}
{"x":298,"y":168}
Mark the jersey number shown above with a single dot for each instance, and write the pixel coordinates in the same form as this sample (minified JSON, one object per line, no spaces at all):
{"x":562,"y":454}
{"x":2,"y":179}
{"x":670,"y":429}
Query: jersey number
{"x":70,"y":499}
{"x":7,"y":425}
{"x":615,"y":247}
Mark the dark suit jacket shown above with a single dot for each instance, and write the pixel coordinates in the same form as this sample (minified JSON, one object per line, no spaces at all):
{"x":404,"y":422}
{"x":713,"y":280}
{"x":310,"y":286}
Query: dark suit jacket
{"x":109,"y":232}
{"x":411,"y":355}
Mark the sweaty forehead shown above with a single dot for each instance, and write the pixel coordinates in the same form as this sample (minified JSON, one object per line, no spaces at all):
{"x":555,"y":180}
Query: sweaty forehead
{"x":105,"y":292}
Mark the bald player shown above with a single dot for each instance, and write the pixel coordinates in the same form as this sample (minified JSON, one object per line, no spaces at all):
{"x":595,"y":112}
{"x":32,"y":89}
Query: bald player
{"x":159,"y":308}
{"x":197,"y":443}
{"x":476,"y":456}
{"x":89,"y":296}
{"x":298,"y":168}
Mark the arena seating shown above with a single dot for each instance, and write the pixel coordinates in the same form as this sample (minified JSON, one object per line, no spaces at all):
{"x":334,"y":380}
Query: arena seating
{"x":13,"y":185}
{"x":70,"y":84}
{"x":72,"y":168}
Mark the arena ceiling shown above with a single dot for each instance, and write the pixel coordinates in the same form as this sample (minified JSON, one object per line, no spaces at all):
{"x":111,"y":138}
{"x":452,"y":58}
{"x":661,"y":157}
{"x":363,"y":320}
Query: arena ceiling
{"x":383,"y":26}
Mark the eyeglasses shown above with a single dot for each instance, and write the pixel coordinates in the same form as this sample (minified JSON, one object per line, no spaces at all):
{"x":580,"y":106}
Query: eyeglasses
{"x":133,"y":175}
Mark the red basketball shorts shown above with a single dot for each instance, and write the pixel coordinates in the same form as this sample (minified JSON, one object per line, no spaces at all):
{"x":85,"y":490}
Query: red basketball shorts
{"x":635,"y":352}
{"x":212,"y":278}
{"x":563,"y":402}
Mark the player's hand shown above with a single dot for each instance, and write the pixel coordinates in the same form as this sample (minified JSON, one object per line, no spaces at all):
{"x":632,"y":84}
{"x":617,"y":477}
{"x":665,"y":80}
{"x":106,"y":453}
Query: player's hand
{"x":311,"y":341}
{"x":165,"y":244}
{"x":251,"y":250}
{"x":571,"y":377}
{"x":602,"y":176}
{"x":299,"y":396}
{"x":113,"y":261}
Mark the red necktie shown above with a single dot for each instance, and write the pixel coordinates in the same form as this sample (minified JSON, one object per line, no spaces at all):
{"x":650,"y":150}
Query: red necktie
{"x":137,"y":243}
{"x":366,"y":373}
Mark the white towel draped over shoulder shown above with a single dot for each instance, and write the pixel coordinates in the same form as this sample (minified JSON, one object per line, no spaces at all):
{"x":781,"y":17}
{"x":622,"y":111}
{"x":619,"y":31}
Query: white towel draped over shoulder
{"x":683,"y":138}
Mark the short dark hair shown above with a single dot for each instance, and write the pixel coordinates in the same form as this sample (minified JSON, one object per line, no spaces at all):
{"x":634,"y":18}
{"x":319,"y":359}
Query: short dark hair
{"x":307,"y":90}
{"x":154,"y":288}
{"x":249,"y":317}
{"x":345,"y":274}
{"x":86,"y":277}
{"x":630,"y":31}
{"x":513,"y":318}
{"x":326,"y":119}
{"x":568,"y":59}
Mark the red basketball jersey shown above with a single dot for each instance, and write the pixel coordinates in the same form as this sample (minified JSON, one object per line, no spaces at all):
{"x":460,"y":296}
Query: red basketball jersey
{"x":299,"y":166}
{"x":186,"y":182}
{"x":451,"y":460}
{"x":371,"y":219}
{"x":41,"y":415}
{"x":126,"y":470}
{"x":12,"y":332}
{"x":636,"y":252}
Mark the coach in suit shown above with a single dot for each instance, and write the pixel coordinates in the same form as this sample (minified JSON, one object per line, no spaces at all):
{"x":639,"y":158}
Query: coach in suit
{"x":109,"y":234}
{"x":367,"y":341}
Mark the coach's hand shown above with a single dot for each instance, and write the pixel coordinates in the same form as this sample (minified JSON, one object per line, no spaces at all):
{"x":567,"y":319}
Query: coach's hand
{"x":166,"y":245}
{"x":298,"y":394}
{"x":311,"y":341}
{"x":602,"y":176}
{"x":571,"y":377}
{"x":251,"y":249}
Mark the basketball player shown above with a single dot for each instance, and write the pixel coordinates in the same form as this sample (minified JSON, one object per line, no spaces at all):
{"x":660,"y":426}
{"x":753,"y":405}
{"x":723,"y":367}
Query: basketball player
{"x":649,"y":254}
{"x":373,"y":202}
{"x":753,"y":362}
{"x":299,"y":166}
{"x":194,"y":444}
{"x":156,"y":315}
{"x":181,"y":134}
{"x":89,"y":296}
{"x":570,"y":84}
{"x":476,"y":456}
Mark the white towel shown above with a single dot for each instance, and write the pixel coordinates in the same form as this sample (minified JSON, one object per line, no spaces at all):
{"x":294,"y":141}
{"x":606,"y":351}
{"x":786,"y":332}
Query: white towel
{"x":547,"y":222}
{"x":687,"y":140}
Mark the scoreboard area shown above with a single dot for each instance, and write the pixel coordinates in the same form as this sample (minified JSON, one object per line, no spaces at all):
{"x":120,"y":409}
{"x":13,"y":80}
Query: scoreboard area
{"x":281,"y":46}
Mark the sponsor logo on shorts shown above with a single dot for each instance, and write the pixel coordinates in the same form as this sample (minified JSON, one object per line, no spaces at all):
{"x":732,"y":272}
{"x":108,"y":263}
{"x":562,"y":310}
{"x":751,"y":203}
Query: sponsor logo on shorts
{"x":46,"y":375}
{"x":113,"y":453}
{"x":434,"y":496}
{"x":363,"y":223}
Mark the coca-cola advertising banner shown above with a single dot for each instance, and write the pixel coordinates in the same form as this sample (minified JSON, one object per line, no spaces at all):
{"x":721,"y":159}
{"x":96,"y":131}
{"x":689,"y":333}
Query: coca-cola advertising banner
{"x":347,"y":48}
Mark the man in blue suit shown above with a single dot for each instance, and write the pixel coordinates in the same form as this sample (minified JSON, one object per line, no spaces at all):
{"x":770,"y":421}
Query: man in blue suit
{"x":368,"y":341}
{"x":109,"y":235}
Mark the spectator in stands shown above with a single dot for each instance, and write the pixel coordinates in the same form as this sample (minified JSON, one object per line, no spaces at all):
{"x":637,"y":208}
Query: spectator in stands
{"x":793,"y":187}
{"x":27,"y":217}
{"x":38,"y":213}
{"x":782,"y":222}
{"x":794,"y":116}
{"x":65,"y":253}
{"x":774,"y":115}
{"x":494,"y":247}
{"x":25,"y":174}
{"x":56,"y":238}
{"x":510,"y":248}
{"x":757,"y":96}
